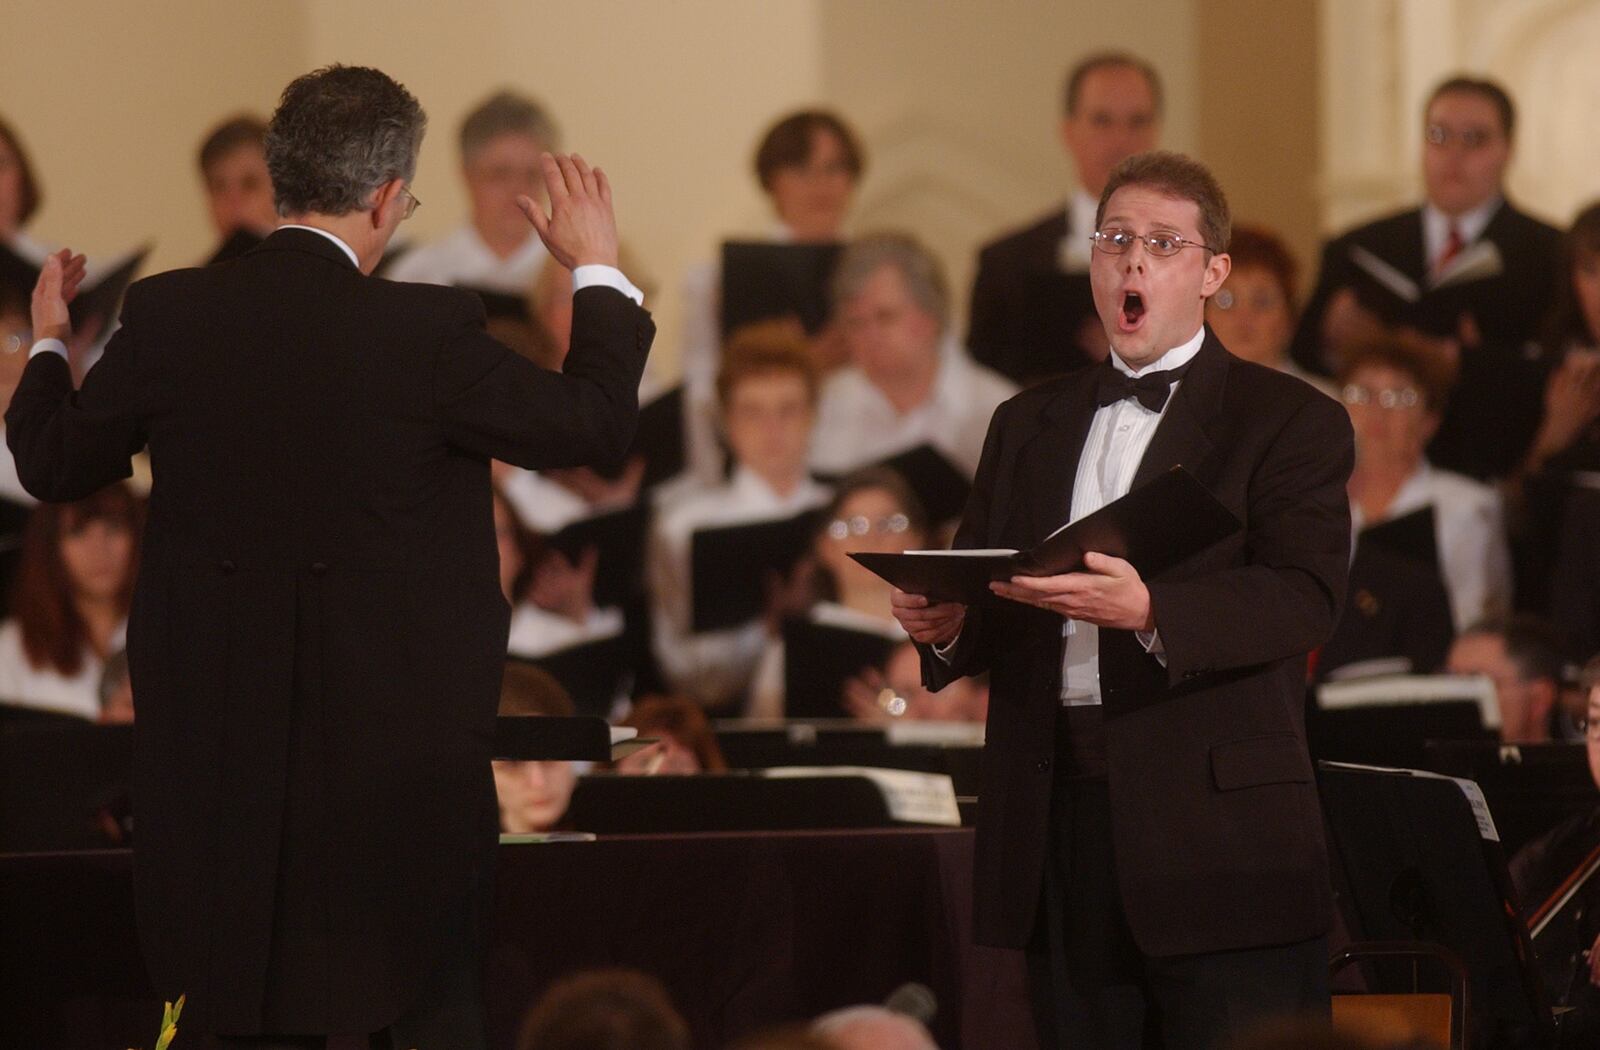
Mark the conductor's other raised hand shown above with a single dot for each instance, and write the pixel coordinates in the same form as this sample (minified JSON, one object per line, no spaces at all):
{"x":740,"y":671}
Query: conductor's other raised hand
{"x":58,"y":284}
{"x":580,"y":229}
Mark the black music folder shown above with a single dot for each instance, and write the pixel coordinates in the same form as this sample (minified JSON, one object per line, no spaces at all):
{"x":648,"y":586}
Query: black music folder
{"x":731,"y":567}
{"x":96,"y":302}
{"x":1413,"y":537}
{"x":762,"y":281}
{"x":237,"y":243}
{"x":658,"y":439}
{"x":501,"y":305}
{"x":592,"y":673}
{"x":818,"y":658}
{"x":940,"y":485}
{"x":619,"y":536}
{"x":1154,"y":527}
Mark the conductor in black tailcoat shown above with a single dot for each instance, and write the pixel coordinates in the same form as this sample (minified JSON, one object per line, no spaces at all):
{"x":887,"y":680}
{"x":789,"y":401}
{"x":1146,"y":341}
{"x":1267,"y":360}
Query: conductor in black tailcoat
{"x":318,"y":632}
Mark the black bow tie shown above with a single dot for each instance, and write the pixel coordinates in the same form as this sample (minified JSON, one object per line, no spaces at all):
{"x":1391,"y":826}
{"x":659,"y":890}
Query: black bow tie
{"x":1113,"y":384}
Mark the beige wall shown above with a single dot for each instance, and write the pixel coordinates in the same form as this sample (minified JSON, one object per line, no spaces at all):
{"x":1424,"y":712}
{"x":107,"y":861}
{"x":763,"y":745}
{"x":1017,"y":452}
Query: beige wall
{"x":1258,"y":115}
{"x":958,"y":103}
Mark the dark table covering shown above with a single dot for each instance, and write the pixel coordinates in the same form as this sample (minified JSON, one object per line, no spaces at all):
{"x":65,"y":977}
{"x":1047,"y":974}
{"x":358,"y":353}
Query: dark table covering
{"x":745,"y":930}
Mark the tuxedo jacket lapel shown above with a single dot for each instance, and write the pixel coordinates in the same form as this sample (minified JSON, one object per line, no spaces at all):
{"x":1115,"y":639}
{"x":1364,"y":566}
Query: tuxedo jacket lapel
{"x":1180,"y":438}
{"x":1047,"y":463}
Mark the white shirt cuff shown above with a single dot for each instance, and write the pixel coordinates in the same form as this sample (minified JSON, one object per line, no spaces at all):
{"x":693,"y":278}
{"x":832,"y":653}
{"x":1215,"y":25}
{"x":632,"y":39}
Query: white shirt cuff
{"x":1151,"y":640}
{"x":943,"y":651}
{"x":48,"y":346}
{"x":605,"y":277}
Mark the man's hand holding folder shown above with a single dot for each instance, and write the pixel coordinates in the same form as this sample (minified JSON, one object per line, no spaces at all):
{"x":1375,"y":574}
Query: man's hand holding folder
{"x":1107,"y":592}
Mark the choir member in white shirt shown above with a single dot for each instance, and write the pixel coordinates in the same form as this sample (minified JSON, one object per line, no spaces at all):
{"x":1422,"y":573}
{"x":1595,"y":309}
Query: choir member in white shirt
{"x":873,"y":510}
{"x":19,"y":197}
{"x":809,"y":164}
{"x":767,"y":390}
{"x":908,"y":383}
{"x":1395,"y":401}
{"x":70,"y":606}
{"x":496,"y":250}
{"x":552,"y":600}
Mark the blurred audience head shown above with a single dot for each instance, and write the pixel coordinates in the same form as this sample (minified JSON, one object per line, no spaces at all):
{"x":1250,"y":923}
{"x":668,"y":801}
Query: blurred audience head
{"x":233,"y":168}
{"x":1575,"y":320}
{"x":1111,"y":110}
{"x":872,"y":510}
{"x":767,"y":389}
{"x":964,"y":700}
{"x":116,"y":690}
{"x":550,"y":301}
{"x":533,"y":796}
{"x":78,"y":564}
{"x":809,"y":164}
{"x":1253,"y":313}
{"x":1395,"y":398}
{"x":19,"y":190}
{"x":605,"y":1010}
{"x":345,"y":139}
{"x":687,"y":742}
{"x":1466,"y":143}
{"x":1522,"y":655}
{"x":1589,"y":681}
{"x":891,"y":297}
{"x":501,"y":142}
{"x":873,"y":1028}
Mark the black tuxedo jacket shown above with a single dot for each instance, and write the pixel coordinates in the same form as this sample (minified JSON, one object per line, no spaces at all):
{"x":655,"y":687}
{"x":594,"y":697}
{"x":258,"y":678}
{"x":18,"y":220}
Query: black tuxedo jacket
{"x":1027,"y":311}
{"x":1498,"y":399}
{"x":1215,"y":819}
{"x":318,"y":634}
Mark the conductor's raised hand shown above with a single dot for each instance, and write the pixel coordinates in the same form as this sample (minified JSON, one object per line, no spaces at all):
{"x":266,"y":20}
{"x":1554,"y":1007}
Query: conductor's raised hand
{"x":581,"y":229}
{"x":932,"y":623}
{"x":59,"y":279}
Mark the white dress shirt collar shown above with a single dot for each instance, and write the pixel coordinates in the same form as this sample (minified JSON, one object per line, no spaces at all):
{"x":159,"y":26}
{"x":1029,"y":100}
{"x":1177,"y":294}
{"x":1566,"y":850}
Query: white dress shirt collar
{"x":1177,"y":357}
{"x":1436,"y":225}
{"x":335,"y":238}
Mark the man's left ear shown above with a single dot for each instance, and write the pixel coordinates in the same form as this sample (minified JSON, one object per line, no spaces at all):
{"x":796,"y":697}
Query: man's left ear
{"x":1217,"y":269}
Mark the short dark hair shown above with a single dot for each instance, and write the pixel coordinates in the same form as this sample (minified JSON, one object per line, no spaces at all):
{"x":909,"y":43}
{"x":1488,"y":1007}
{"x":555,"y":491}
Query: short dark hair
{"x":506,"y":112}
{"x":1483,"y":88}
{"x":1390,"y":352}
{"x":1258,"y":247}
{"x":604,"y":1008}
{"x":338,"y":134}
{"x":246,"y":129}
{"x":1177,"y":176}
{"x":1072,"y":93}
{"x":788,"y":144}
{"x":1532,"y":643}
{"x":32,"y":196}
{"x":526,"y":690}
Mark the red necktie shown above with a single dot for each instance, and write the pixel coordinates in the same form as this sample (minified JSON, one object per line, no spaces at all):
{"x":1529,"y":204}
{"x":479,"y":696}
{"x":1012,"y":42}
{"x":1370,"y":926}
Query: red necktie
{"x":1452,"y":248}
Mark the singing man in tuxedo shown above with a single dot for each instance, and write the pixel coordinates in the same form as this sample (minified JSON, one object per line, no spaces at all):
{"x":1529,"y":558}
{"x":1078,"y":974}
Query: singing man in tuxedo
{"x":1148,"y":827}
{"x":318,"y":632}
{"x":1032,"y":313}
{"x":1466,"y":279}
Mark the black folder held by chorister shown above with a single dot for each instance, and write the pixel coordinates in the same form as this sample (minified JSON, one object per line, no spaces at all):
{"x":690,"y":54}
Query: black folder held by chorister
{"x":763,"y":281}
{"x":733,"y":567}
{"x":1156,"y":526}
{"x":499,"y":305}
{"x":619,"y":537}
{"x":591,"y":672}
{"x":237,"y":243}
{"x":1412,"y":536}
{"x":818,"y":658}
{"x":97,"y":303}
{"x":942,"y":486}
{"x":658,"y":439}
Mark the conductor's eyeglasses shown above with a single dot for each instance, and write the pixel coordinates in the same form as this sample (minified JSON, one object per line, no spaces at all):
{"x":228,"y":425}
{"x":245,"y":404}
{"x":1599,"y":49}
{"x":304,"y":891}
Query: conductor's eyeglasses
{"x":1388,"y":397}
{"x":860,"y":525}
{"x":1163,"y":245}
{"x":412,"y":204}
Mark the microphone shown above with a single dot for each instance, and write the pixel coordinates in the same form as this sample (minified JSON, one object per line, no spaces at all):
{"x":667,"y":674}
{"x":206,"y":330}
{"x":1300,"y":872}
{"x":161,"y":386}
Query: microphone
{"x":914,"y":1000}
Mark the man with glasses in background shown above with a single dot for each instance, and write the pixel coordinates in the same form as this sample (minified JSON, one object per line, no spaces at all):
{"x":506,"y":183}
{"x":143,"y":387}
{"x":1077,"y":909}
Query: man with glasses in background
{"x":318,"y":634}
{"x":1465,"y":279}
{"x":1148,"y":829}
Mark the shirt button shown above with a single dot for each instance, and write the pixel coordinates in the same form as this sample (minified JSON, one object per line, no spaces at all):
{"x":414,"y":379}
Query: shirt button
{"x":1043,"y":765}
{"x":319,"y":568}
{"x":226,"y":565}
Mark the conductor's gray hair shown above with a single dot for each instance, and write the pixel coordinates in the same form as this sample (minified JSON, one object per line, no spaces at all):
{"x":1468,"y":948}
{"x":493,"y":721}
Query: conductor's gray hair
{"x":340,"y":133}
{"x":922,"y":273}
